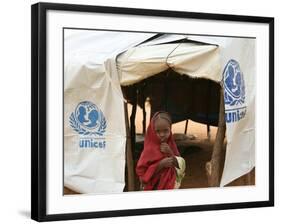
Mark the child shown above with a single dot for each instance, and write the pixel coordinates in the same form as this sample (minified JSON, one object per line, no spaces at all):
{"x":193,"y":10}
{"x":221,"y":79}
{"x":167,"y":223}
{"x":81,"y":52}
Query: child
{"x":160,"y":165}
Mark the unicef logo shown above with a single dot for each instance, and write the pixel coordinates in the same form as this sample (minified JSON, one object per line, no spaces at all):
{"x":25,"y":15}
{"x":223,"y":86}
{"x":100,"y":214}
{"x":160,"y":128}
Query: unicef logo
{"x":234,"y":87}
{"x":88,"y":119}
{"x":234,"y":92}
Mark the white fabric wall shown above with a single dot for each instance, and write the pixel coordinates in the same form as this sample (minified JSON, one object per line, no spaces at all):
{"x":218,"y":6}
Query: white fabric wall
{"x":240,"y":154}
{"x":91,"y":75}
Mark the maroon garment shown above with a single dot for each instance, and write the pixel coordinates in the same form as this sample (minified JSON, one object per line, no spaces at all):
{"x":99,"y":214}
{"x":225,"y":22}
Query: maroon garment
{"x":150,"y":158}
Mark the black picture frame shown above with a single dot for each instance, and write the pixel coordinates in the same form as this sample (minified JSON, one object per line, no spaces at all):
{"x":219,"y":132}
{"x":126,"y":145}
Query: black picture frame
{"x":39,"y":109}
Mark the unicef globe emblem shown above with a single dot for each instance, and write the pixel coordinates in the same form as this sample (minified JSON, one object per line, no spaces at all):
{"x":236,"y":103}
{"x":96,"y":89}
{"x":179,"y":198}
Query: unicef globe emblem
{"x":234,"y":87}
{"x":88,"y":119}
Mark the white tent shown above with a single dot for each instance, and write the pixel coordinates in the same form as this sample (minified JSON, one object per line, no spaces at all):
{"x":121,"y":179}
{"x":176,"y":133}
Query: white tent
{"x":97,"y":63}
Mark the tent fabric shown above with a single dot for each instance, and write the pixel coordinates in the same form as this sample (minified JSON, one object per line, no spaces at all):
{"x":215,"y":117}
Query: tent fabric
{"x":94,"y":157}
{"x":240,"y":134}
{"x":192,"y":59}
{"x":163,"y":39}
{"x":99,"y":167}
{"x":98,"y":62}
{"x":91,"y":49}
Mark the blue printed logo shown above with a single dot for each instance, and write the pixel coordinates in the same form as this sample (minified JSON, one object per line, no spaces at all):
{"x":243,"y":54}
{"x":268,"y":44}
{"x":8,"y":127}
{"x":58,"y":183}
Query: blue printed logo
{"x":234,"y":92}
{"x":89,"y":122}
{"x":88,"y":119}
{"x":234,"y":87}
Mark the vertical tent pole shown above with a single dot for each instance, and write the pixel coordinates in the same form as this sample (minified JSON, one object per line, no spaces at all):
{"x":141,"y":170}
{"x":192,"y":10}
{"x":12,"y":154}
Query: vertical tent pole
{"x":208,"y":110}
{"x":213,"y":166}
{"x":143,"y":109}
{"x":166,"y":90}
{"x":129,"y":155}
{"x":144,"y":119}
{"x":186,"y":124}
{"x":208,"y":132}
{"x":132,"y":121}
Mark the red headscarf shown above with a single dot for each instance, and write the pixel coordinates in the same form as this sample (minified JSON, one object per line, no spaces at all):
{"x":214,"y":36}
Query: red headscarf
{"x":150,"y":158}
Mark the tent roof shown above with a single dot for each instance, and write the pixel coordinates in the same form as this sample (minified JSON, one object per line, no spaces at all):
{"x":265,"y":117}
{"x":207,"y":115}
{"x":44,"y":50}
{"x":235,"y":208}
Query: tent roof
{"x":193,"y":59}
{"x":139,"y":55}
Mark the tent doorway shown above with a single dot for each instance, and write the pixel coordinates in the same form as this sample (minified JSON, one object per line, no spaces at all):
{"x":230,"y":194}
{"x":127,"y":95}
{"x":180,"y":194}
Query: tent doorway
{"x":196,"y":100}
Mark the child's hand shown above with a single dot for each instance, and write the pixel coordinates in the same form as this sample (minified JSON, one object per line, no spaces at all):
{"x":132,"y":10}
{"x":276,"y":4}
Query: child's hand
{"x":175,"y":162}
{"x":165,"y":148}
{"x":167,"y":162}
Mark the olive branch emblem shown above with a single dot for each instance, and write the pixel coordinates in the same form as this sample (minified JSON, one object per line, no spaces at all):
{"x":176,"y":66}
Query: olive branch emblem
{"x":75,"y":124}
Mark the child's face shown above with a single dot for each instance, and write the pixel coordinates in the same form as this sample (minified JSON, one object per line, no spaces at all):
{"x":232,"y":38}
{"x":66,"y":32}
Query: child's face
{"x":162,"y":129}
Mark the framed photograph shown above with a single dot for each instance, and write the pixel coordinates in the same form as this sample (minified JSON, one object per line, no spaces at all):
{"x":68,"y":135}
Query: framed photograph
{"x":139,"y":111}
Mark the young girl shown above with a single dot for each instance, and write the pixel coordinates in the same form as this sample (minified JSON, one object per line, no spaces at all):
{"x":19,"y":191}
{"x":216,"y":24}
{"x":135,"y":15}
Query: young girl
{"x":160,"y":165}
